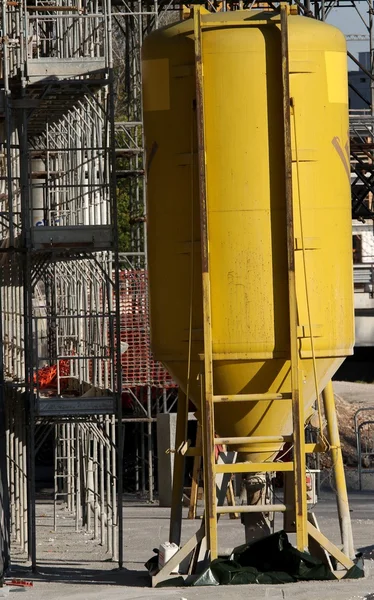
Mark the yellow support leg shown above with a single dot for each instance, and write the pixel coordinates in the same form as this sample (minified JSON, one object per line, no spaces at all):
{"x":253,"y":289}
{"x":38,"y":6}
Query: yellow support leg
{"x":337,"y":461}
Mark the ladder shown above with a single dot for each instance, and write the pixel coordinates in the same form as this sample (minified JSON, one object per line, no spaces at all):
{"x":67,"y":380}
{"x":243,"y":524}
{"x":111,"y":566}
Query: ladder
{"x":208,"y":397}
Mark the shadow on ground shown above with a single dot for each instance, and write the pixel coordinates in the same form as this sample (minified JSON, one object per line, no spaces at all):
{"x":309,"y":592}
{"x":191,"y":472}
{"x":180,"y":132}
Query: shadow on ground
{"x":66,"y":573}
{"x":367,"y":551}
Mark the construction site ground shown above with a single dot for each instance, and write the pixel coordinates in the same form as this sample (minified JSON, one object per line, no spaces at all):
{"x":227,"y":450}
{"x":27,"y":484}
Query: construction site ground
{"x":72,"y":565}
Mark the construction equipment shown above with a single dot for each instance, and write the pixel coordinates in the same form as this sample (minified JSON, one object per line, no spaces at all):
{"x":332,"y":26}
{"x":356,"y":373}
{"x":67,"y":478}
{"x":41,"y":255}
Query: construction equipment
{"x":256,"y":311}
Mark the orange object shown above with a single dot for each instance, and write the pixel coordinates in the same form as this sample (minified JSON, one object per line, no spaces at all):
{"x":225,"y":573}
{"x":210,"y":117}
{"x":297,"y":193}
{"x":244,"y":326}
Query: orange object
{"x":19,"y":582}
{"x":46,"y":377}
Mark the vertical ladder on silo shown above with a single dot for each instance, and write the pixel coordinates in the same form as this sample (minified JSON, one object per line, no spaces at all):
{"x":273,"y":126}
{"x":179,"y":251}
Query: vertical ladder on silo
{"x":208,"y":398}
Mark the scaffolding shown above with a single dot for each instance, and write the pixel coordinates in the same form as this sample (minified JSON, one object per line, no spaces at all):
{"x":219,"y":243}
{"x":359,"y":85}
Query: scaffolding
{"x":147,"y":389}
{"x":59,"y":263}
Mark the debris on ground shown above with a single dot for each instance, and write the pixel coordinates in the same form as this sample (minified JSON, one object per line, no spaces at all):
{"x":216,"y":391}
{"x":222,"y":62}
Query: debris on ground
{"x":349,"y":397}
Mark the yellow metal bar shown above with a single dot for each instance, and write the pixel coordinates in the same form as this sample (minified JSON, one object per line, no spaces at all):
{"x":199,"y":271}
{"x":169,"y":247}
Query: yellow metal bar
{"x":233,"y":23}
{"x":254,"y":467}
{"x":313,"y":448}
{"x":260,"y":439}
{"x":297,"y":400}
{"x":247,"y":355}
{"x":207,"y":379}
{"x":337,"y":462}
{"x":251,"y":397}
{"x":309,"y":449}
{"x":252,"y":508}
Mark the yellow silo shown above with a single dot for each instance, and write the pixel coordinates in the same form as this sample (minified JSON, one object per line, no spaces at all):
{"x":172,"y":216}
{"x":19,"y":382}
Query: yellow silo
{"x":246,"y":206}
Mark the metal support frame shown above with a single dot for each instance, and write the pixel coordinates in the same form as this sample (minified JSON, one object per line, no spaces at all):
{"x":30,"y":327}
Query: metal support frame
{"x":59,"y":256}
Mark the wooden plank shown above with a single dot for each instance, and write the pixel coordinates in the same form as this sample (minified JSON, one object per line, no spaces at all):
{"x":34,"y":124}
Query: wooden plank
{"x":179,"y":556}
{"x":329,"y":546}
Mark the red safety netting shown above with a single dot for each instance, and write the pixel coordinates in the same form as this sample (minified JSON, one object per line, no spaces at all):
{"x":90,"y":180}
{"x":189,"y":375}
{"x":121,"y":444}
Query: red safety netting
{"x":138,"y":366}
{"x":46,"y":377}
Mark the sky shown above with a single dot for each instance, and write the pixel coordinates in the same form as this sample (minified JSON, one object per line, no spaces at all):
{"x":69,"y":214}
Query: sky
{"x":349,"y":21}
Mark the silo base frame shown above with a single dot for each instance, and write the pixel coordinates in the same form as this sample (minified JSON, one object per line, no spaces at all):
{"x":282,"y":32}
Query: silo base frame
{"x":196,"y":552}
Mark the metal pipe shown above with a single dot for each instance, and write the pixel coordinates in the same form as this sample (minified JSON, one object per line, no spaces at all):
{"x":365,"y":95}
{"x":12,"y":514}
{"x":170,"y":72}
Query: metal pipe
{"x":17,"y":475}
{"x":109,"y":512}
{"x":73,"y":464}
{"x":21,"y":477}
{"x":149,"y":445}
{"x":12,"y":471}
{"x":55,"y":480}
{"x":68,"y":466}
{"x":253,"y":508}
{"x":89,"y":486}
{"x":251,"y":397}
{"x":102,"y":492}
{"x":274,"y":439}
{"x":142,"y":459}
{"x":136,"y":433}
{"x":178,"y":471}
{"x":25,"y":511}
{"x":95,"y":490}
{"x":78,"y":478}
{"x":338,"y":467}
{"x":114,"y":492}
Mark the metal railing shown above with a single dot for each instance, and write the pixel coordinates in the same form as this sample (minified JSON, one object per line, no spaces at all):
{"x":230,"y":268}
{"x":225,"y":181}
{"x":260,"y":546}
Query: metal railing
{"x":363,"y":273}
{"x":63,"y":31}
{"x":364,"y":432}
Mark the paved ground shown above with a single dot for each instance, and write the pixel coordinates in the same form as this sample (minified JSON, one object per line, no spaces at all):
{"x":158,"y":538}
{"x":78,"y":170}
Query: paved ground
{"x":72,"y":566}
{"x":354,"y":391}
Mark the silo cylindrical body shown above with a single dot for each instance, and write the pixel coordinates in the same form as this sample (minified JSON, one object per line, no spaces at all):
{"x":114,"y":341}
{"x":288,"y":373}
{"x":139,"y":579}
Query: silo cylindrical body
{"x":247,"y":228}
